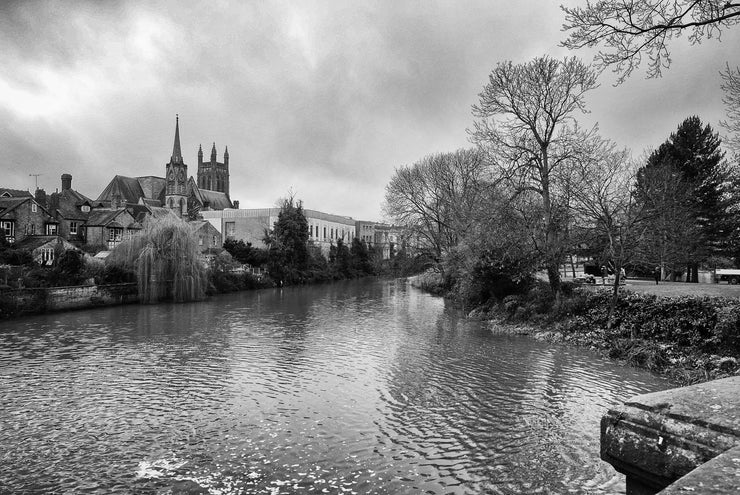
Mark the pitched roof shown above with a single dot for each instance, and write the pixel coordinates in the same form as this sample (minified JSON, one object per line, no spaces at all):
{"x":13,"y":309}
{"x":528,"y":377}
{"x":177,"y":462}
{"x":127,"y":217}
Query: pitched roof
{"x":102,"y":217}
{"x":36,"y":241}
{"x":14,"y":193}
{"x":68,"y":203}
{"x":9,"y":204}
{"x":127,"y":188}
{"x":159,"y":212}
{"x":216,"y":200}
{"x":139,"y":211}
{"x":153,"y":187}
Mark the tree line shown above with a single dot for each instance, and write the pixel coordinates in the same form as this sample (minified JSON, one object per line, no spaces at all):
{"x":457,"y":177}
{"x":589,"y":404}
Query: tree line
{"x":537,"y":188}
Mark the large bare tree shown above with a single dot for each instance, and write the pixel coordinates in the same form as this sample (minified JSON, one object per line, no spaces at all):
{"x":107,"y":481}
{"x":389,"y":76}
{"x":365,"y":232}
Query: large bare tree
{"x":632,"y":29}
{"x":526,"y":122}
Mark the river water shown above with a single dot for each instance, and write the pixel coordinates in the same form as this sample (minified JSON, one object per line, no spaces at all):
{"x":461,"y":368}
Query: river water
{"x":355,"y":387}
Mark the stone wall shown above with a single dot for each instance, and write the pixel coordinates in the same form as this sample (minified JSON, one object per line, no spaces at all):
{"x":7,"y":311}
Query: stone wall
{"x":18,"y":302}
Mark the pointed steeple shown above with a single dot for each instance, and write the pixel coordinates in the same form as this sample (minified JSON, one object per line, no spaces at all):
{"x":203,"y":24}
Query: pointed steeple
{"x":176,"y":152}
{"x":213,"y":153}
{"x":226,"y":157}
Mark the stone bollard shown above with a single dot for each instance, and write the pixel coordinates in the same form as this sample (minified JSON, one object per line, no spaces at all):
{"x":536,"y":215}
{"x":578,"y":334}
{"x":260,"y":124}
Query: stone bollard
{"x":657,"y":438}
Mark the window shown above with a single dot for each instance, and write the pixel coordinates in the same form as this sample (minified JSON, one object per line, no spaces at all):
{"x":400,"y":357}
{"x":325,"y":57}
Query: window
{"x":324,"y":233}
{"x":34,"y":207}
{"x":230,"y":229}
{"x":115,"y":234}
{"x":6,"y":228}
{"x":73,"y":227}
{"x":200,"y":240}
{"x":85,"y":208}
{"x":215,"y":240}
{"x":31,"y":229}
{"x":47,"y":256}
{"x":51,"y":229}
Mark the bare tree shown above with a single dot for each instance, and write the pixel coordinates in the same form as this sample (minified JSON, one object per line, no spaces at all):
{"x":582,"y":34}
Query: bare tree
{"x":631,"y":29}
{"x":731,"y":87}
{"x":605,"y":207}
{"x":526,"y":123}
{"x":436,"y":197}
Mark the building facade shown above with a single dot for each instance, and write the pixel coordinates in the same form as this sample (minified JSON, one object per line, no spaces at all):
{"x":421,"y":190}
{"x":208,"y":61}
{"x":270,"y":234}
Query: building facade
{"x":250,"y":225}
{"x":22,"y":217}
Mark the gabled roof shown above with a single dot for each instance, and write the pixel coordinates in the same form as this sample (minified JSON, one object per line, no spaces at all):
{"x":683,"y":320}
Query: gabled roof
{"x":127,"y":188}
{"x":103,"y":217}
{"x":197,"y":225}
{"x":216,"y":200}
{"x":69,"y":203}
{"x":159,"y":212}
{"x":36,"y":241}
{"x":14,"y":193}
{"x":7,"y":205}
{"x":149,"y":190}
{"x":139,"y":211}
{"x":153,"y":187}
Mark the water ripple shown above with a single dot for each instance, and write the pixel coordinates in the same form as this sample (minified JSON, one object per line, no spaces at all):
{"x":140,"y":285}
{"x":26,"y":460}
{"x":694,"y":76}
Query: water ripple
{"x":364,"y":387}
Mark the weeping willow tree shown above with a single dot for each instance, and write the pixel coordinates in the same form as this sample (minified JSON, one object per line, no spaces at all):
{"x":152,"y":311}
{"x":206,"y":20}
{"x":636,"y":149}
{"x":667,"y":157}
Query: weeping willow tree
{"x":166,"y":260}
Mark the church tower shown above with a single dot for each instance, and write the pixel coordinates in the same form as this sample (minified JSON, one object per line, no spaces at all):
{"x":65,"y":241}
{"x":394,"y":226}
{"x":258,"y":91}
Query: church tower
{"x":176,"y":177}
{"x":213,"y":175}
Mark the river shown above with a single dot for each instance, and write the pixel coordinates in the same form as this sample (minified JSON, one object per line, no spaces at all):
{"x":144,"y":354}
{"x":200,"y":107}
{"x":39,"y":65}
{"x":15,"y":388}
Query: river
{"x":355,"y":387}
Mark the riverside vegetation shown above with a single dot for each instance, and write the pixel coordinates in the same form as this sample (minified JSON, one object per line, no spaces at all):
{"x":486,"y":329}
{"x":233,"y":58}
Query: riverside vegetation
{"x":687,"y":339}
{"x":539,"y":191}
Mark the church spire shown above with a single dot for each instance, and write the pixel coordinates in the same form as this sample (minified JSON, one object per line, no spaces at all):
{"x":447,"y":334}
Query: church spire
{"x":176,"y":152}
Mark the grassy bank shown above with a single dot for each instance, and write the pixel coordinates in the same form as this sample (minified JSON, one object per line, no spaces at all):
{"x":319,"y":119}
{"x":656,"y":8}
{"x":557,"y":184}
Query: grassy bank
{"x":688,"y":339}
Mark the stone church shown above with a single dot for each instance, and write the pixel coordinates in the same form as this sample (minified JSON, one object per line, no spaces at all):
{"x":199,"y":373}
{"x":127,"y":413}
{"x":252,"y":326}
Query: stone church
{"x":176,"y":191}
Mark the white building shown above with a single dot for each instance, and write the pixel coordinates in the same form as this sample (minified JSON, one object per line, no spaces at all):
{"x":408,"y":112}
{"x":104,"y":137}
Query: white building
{"x":324,"y":229}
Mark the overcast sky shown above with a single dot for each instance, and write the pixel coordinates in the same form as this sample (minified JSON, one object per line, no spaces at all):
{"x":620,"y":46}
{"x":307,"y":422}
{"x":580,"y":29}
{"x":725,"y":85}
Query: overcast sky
{"x":323,"y":98}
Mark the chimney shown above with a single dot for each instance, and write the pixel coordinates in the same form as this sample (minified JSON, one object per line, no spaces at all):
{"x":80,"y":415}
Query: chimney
{"x":236,"y":204}
{"x":66,"y":182}
{"x":40,"y":197}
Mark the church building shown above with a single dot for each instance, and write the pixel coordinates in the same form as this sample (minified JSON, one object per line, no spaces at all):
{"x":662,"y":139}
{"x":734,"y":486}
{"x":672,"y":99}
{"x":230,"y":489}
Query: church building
{"x":186,"y":196}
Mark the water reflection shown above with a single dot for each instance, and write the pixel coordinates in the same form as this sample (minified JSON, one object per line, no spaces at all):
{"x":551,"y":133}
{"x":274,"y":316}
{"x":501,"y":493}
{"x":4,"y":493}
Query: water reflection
{"x":365,"y":387}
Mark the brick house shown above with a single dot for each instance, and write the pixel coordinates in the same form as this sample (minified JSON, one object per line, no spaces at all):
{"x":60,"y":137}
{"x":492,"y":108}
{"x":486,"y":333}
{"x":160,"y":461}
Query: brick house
{"x":71,"y":209}
{"x":21,"y":217}
{"x":109,"y":227}
{"x":208,"y":236}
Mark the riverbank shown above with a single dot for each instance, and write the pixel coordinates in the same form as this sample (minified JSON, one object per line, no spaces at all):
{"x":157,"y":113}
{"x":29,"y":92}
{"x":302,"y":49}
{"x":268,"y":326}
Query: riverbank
{"x":688,"y":339}
{"x":685,"y":338}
